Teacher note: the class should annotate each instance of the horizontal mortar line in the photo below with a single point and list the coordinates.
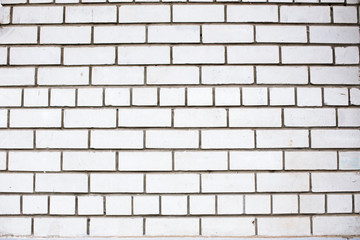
(184, 128)
(71, 45)
(260, 107)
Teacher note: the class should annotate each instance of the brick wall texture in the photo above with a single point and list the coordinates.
(179, 118)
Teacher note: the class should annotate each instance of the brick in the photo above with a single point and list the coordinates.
(173, 34)
(346, 55)
(349, 160)
(285, 204)
(121, 183)
(253, 54)
(335, 182)
(282, 138)
(334, 75)
(306, 54)
(248, 13)
(18, 35)
(35, 204)
(227, 75)
(12, 139)
(34, 56)
(230, 226)
(65, 182)
(89, 55)
(89, 118)
(305, 14)
(202, 204)
(172, 226)
(336, 96)
(9, 205)
(230, 204)
(144, 13)
(172, 183)
(309, 97)
(146, 205)
(250, 117)
(16, 77)
(34, 161)
(172, 75)
(227, 33)
(117, 97)
(90, 205)
(36, 97)
(227, 139)
(90, 14)
(174, 205)
(3, 161)
(172, 139)
(336, 225)
(227, 182)
(227, 96)
(284, 226)
(19, 226)
(282, 34)
(116, 226)
(334, 34)
(62, 97)
(37, 15)
(144, 118)
(310, 160)
(64, 226)
(89, 161)
(281, 75)
(117, 75)
(3, 56)
(62, 139)
(10, 97)
(35, 118)
(172, 96)
(354, 96)
(119, 34)
(65, 35)
(197, 161)
(198, 13)
(90, 97)
(144, 96)
(145, 161)
(198, 54)
(63, 76)
(335, 138)
(60, 205)
(143, 55)
(199, 118)
(283, 182)
(5, 15)
(349, 117)
(344, 14)
(282, 96)
(314, 203)
(309, 117)
(118, 205)
(199, 96)
(16, 182)
(246, 160)
(110, 139)
(339, 203)
(257, 204)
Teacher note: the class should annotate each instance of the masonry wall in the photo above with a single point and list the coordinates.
(179, 118)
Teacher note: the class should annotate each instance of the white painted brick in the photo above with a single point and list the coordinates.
(37, 15)
(5, 15)
(118, 75)
(172, 183)
(16, 77)
(35, 118)
(64, 182)
(144, 96)
(17, 35)
(172, 226)
(60, 205)
(306, 117)
(335, 138)
(90, 14)
(65, 35)
(227, 182)
(116, 226)
(62, 97)
(173, 34)
(199, 118)
(344, 14)
(3, 118)
(310, 160)
(145, 161)
(336, 225)
(16, 182)
(118, 205)
(16, 139)
(13, 1)
(146, 205)
(204, 160)
(119, 34)
(60, 226)
(227, 96)
(282, 96)
(36, 97)
(198, 54)
(9, 204)
(198, 13)
(334, 75)
(90, 205)
(314, 203)
(227, 139)
(199, 96)
(144, 118)
(202, 204)
(35, 204)
(335, 182)
(144, 13)
(334, 34)
(284, 226)
(227, 33)
(257, 204)
(174, 205)
(305, 14)
(253, 54)
(3, 161)
(90, 97)
(251, 117)
(339, 203)
(230, 204)
(283, 182)
(89, 118)
(283, 33)
(117, 97)
(349, 117)
(3, 56)
(10, 97)
(282, 138)
(111, 139)
(248, 13)
(172, 96)
(308, 97)
(143, 55)
(89, 161)
(34, 161)
(89, 55)
(336, 96)
(349, 160)
(62, 139)
(121, 183)
(281, 75)
(212, 226)
(19, 226)
(306, 54)
(227, 75)
(346, 55)
(246, 160)
(34, 56)
(254, 96)
(285, 204)
(355, 96)
(63, 76)
(172, 139)
(172, 75)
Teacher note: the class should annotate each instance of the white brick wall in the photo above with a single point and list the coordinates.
(199, 118)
